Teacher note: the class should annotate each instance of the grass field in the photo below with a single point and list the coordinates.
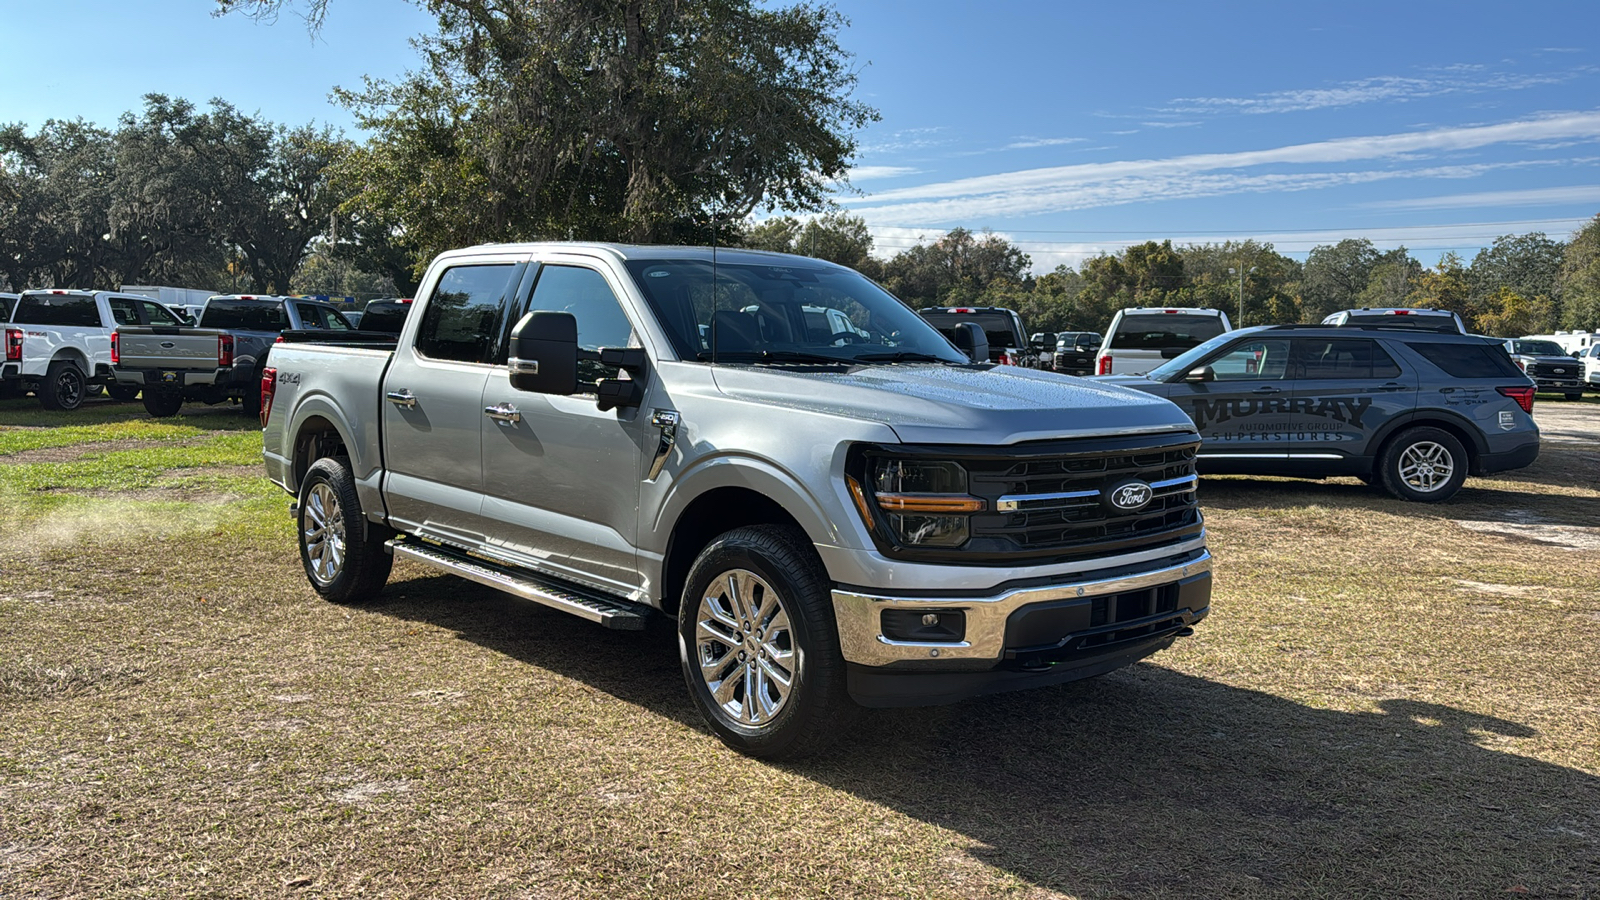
(1388, 700)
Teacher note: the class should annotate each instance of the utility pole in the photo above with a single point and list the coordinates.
(1242, 272)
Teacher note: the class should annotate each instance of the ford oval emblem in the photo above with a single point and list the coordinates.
(1129, 496)
(167, 345)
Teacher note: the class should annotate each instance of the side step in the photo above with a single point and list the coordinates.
(611, 613)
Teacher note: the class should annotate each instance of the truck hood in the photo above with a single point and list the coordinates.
(1550, 360)
(933, 404)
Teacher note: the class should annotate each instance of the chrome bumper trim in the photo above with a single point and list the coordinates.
(859, 615)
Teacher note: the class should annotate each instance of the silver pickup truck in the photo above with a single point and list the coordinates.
(834, 517)
(217, 360)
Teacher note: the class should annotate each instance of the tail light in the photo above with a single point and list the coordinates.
(1522, 394)
(269, 386)
(1521, 365)
(1005, 358)
(1105, 366)
(224, 350)
(116, 350)
(13, 344)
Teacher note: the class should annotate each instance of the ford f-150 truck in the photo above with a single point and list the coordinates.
(834, 517)
(218, 360)
(58, 342)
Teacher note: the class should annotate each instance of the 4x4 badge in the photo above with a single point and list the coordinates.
(1129, 496)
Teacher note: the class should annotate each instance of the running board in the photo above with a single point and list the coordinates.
(611, 613)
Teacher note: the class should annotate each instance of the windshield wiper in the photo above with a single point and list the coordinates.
(774, 356)
(900, 356)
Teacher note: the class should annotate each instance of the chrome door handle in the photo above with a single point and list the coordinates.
(402, 397)
(504, 413)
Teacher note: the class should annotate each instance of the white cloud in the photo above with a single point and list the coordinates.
(1556, 196)
(1028, 143)
(1087, 185)
(1455, 79)
(868, 173)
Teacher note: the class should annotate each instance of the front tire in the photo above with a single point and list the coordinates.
(162, 404)
(1427, 465)
(343, 553)
(64, 387)
(1576, 396)
(759, 646)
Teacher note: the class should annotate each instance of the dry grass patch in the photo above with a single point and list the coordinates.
(1383, 703)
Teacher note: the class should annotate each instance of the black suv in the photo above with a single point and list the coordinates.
(1413, 412)
(1003, 327)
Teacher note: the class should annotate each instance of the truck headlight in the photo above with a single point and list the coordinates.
(925, 503)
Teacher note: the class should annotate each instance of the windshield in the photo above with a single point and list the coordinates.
(1164, 331)
(787, 313)
(1538, 348)
(1176, 368)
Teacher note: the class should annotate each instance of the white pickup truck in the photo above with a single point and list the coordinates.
(58, 342)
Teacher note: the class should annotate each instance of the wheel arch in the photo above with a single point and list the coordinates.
(712, 513)
(1458, 428)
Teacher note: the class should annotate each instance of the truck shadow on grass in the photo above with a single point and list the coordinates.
(25, 411)
(1148, 782)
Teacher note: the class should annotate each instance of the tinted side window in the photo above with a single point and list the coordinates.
(1324, 359)
(65, 310)
(1258, 360)
(156, 314)
(462, 321)
(1469, 360)
(601, 321)
(124, 310)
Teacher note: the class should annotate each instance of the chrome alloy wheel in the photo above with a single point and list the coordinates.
(322, 532)
(745, 647)
(1426, 466)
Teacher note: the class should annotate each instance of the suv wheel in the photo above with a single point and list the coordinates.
(342, 552)
(759, 647)
(63, 386)
(1424, 464)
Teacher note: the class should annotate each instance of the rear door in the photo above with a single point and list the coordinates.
(562, 476)
(432, 410)
(1345, 391)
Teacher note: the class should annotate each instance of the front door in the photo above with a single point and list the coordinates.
(562, 476)
(1243, 413)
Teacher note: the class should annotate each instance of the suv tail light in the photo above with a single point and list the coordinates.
(116, 350)
(1522, 394)
(1105, 366)
(13, 344)
(269, 386)
(224, 350)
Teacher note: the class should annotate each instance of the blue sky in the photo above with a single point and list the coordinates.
(1069, 128)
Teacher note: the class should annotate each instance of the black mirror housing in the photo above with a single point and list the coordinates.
(971, 340)
(1200, 374)
(544, 353)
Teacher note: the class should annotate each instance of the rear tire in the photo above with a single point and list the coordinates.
(162, 403)
(64, 387)
(123, 393)
(1427, 465)
(343, 553)
(759, 646)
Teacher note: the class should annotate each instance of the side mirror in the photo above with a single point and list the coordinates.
(544, 353)
(971, 340)
(1199, 374)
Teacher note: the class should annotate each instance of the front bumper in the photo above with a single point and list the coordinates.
(1065, 613)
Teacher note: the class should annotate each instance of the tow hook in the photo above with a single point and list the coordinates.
(1185, 631)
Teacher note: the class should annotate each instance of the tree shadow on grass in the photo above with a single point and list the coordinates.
(1149, 782)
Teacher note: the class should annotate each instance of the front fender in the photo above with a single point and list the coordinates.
(816, 514)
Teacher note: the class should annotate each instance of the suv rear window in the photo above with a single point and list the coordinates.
(71, 310)
(1164, 331)
(998, 328)
(1473, 360)
(245, 315)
